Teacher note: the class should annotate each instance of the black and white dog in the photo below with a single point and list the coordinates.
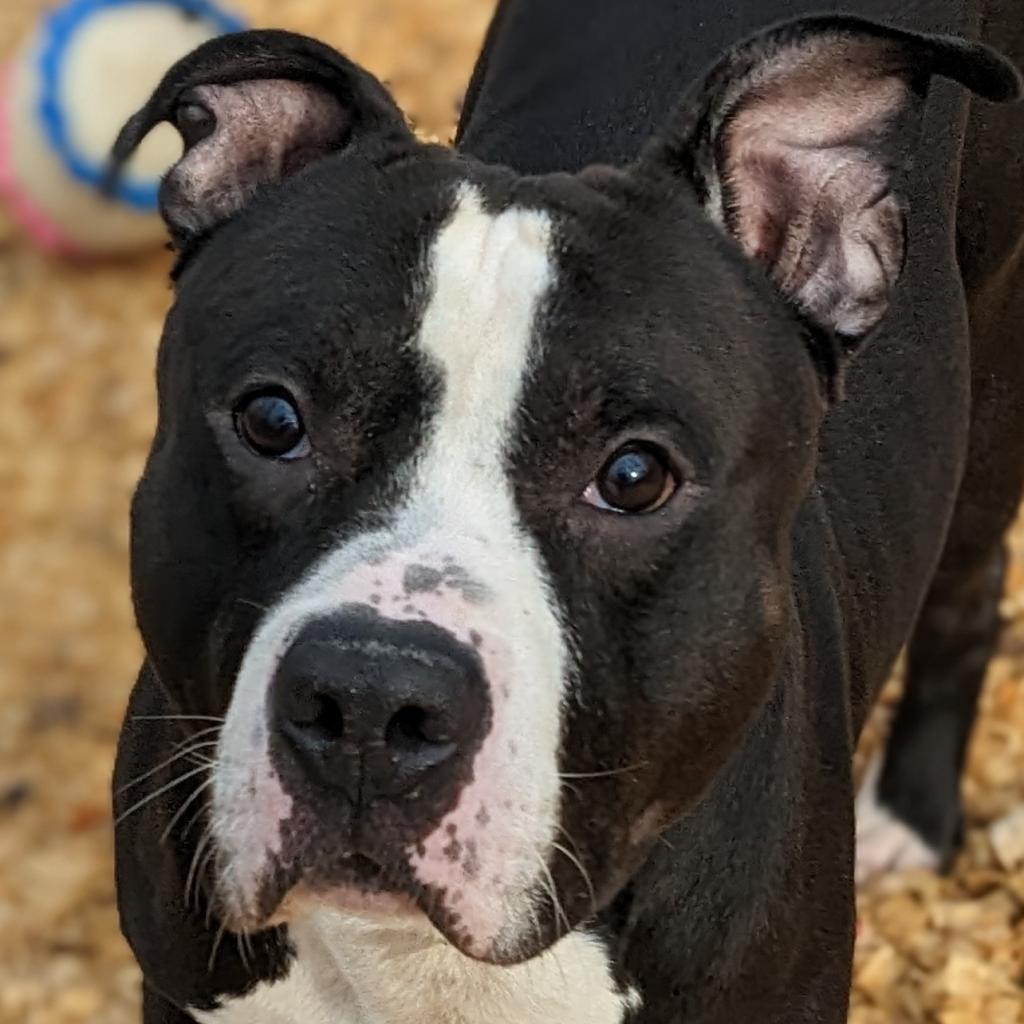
(513, 581)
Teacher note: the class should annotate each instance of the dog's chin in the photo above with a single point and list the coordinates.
(383, 908)
(363, 898)
(510, 947)
(358, 888)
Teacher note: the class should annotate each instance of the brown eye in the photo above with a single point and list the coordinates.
(271, 426)
(637, 478)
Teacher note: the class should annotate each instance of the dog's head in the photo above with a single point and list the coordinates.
(471, 497)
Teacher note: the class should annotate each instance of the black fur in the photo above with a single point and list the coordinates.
(729, 647)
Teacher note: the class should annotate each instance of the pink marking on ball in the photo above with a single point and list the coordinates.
(32, 220)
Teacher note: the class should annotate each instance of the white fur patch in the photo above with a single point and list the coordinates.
(459, 530)
(490, 273)
(884, 843)
(352, 970)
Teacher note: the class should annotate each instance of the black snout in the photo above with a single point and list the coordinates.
(380, 708)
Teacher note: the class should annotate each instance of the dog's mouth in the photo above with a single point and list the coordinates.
(356, 885)
(352, 882)
(356, 873)
(363, 887)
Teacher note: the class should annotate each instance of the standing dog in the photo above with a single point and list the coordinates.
(513, 581)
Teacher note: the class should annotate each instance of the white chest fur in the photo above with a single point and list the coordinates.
(356, 971)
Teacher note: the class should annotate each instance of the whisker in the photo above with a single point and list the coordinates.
(205, 870)
(194, 869)
(535, 921)
(197, 735)
(241, 951)
(552, 952)
(163, 789)
(575, 789)
(569, 838)
(163, 764)
(178, 718)
(196, 755)
(216, 946)
(604, 775)
(212, 864)
(574, 860)
(202, 759)
(191, 821)
(553, 893)
(247, 939)
(196, 751)
(215, 865)
(199, 790)
(252, 604)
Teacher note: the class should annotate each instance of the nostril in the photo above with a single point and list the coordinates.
(328, 719)
(411, 728)
(318, 715)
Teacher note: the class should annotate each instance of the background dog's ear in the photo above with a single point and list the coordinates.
(798, 143)
(253, 108)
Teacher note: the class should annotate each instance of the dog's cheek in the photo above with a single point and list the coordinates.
(739, 668)
(178, 552)
(673, 704)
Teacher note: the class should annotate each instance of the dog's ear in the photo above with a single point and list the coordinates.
(798, 142)
(253, 108)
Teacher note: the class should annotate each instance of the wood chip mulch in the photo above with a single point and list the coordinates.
(76, 358)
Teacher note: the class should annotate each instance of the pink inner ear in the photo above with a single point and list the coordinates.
(266, 130)
(806, 186)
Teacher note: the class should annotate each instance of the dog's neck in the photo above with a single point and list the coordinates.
(366, 970)
(737, 845)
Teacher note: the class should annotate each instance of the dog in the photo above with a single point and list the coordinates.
(529, 525)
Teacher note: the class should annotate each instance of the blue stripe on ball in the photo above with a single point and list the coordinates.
(58, 31)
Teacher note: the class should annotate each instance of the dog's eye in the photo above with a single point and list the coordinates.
(270, 425)
(637, 478)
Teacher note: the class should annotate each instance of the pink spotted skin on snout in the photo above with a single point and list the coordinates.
(242, 861)
(420, 588)
(474, 863)
(474, 857)
(477, 861)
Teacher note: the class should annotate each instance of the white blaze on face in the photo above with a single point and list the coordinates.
(489, 275)
(456, 555)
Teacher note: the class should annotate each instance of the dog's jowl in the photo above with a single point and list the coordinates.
(492, 671)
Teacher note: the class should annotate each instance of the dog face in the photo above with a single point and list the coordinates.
(470, 502)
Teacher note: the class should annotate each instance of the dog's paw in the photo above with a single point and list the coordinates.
(884, 843)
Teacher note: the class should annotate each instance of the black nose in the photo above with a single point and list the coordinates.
(380, 708)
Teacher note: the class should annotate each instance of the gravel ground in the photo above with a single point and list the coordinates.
(76, 357)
